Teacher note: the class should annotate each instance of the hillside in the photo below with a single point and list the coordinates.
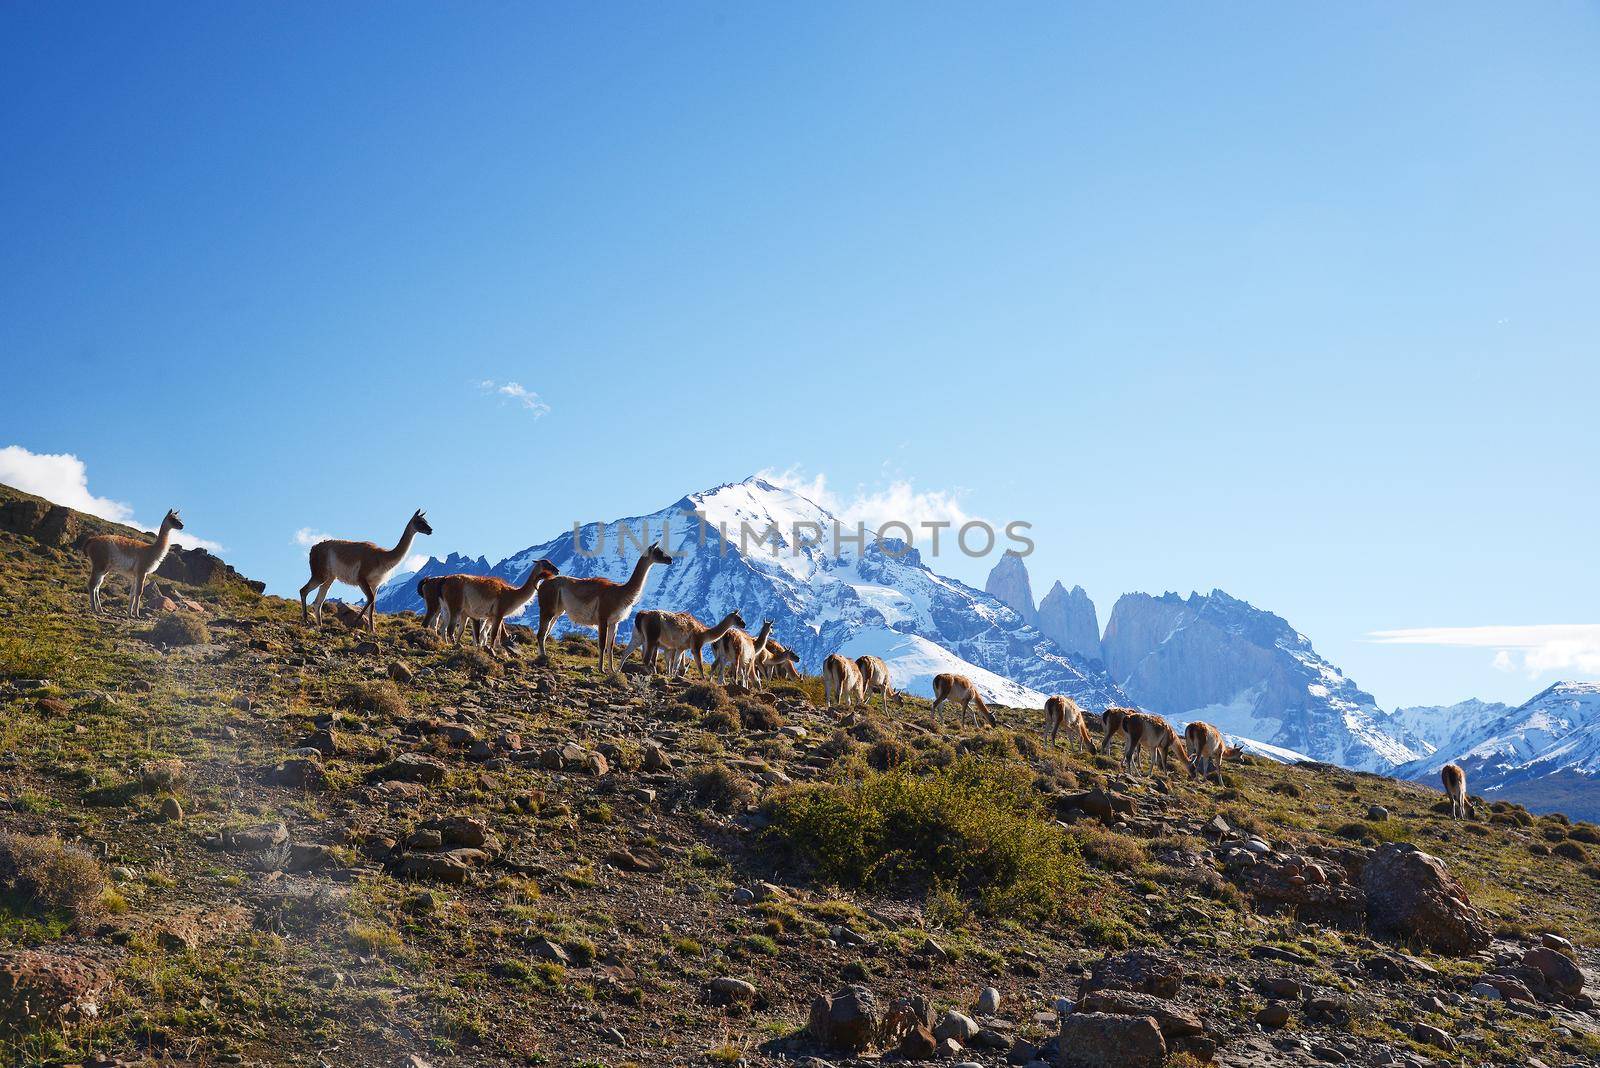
(242, 842)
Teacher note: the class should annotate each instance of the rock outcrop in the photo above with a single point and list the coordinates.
(1411, 896)
(1067, 617)
(1008, 583)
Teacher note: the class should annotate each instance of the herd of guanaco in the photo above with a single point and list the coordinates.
(453, 601)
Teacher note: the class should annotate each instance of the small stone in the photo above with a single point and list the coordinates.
(398, 671)
(548, 950)
(1273, 1015)
(956, 1025)
(988, 1001)
(729, 989)
(1433, 1036)
(171, 809)
(1377, 813)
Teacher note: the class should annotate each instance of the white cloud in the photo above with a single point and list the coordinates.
(305, 537)
(898, 500)
(62, 478)
(414, 562)
(517, 393)
(1536, 650)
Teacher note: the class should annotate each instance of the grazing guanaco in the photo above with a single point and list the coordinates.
(483, 597)
(595, 602)
(678, 633)
(358, 563)
(1205, 746)
(428, 590)
(1143, 732)
(842, 682)
(1455, 787)
(874, 677)
(777, 661)
(959, 688)
(116, 554)
(1112, 719)
(737, 652)
(1063, 713)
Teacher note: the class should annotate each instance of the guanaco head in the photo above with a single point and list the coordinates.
(419, 523)
(172, 521)
(546, 568)
(789, 655)
(736, 620)
(657, 554)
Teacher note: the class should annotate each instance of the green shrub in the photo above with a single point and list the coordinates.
(720, 721)
(976, 827)
(706, 695)
(176, 628)
(723, 789)
(889, 753)
(1571, 851)
(757, 715)
(378, 696)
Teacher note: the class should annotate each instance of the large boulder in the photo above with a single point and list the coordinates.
(1101, 1040)
(42, 988)
(1411, 896)
(1559, 971)
(1138, 970)
(1174, 1020)
(848, 1019)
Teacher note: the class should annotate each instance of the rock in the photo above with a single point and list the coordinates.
(956, 1025)
(918, 1044)
(323, 741)
(462, 830)
(411, 767)
(1100, 1040)
(848, 1019)
(1273, 1015)
(1432, 1036)
(548, 950)
(1507, 988)
(1485, 991)
(1098, 802)
(296, 772)
(743, 896)
(1174, 1020)
(448, 866)
(399, 672)
(1138, 970)
(367, 648)
(988, 1001)
(1411, 896)
(171, 809)
(595, 764)
(254, 839)
(1559, 944)
(726, 989)
(1377, 813)
(907, 1014)
(1561, 972)
(42, 987)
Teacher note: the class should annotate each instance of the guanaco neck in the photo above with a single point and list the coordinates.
(163, 539)
(400, 550)
(761, 639)
(719, 630)
(635, 581)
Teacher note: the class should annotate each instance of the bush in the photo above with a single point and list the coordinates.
(47, 874)
(976, 827)
(476, 662)
(720, 721)
(889, 753)
(757, 715)
(378, 696)
(1107, 849)
(706, 695)
(1570, 851)
(722, 789)
(180, 629)
(1585, 832)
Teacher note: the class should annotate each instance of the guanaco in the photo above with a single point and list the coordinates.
(842, 682)
(1063, 713)
(959, 688)
(875, 678)
(678, 634)
(776, 661)
(116, 554)
(1455, 787)
(737, 652)
(595, 602)
(483, 597)
(1112, 719)
(1143, 732)
(358, 563)
(1205, 746)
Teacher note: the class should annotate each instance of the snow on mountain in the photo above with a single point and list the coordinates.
(1446, 727)
(774, 554)
(1245, 670)
(1544, 753)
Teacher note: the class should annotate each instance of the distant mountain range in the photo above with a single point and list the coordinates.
(748, 545)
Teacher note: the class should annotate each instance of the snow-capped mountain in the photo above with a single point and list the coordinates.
(1445, 727)
(773, 554)
(1544, 753)
(1217, 658)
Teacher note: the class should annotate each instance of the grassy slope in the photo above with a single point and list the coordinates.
(221, 961)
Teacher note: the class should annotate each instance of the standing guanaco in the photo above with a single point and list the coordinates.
(737, 652)
(678, 634)
(1063, 712)
(1112, 719)
(116, 554)
(358, 563)
(776, 661)
(482, 597)
(874, 677)
(595, 602)
(1455, 787)
(1143, 732)
(1204, 743)
(842, 682)
(959, 688)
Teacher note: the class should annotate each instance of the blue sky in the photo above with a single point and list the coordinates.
(1296, 302)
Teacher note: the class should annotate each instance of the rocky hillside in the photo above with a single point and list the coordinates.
(822, 596)
(228, 840)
